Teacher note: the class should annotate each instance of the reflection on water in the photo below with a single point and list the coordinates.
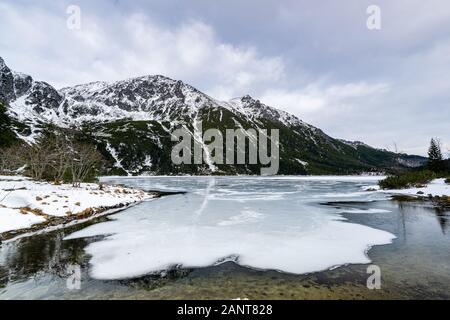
(416, 265)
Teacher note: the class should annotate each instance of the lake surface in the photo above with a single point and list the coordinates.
(241, 237)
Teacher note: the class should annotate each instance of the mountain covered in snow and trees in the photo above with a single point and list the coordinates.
(130, 123)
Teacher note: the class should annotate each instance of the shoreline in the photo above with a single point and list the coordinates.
(57, 223)
(436, 193)
(29, 207)
(436, 202)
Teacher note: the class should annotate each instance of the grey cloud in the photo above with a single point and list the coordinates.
(301, 56)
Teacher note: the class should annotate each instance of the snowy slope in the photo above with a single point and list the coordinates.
(127, 114)
(144, 98)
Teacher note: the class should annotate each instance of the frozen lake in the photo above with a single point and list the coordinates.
(261, 223)
(247, 237)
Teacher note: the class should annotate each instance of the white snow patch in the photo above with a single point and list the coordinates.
(148, 161)
(13, 178)
(12, 219)
(371, 188)
(116, 158)
(303, 163)
(437, 187)
(58, 200)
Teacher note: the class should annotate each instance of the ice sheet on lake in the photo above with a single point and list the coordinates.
(369, 211)
(289, 231)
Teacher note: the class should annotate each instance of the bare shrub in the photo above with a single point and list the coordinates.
(85, 159)
(11, 160)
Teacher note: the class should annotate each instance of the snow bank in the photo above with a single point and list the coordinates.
(13, 178)
(12, 219)
(437, 187)
(24, 202)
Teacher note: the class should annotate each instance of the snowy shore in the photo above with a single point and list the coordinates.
(27, 205)
(436, 188)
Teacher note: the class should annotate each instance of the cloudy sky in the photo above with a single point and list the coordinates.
(316, 59)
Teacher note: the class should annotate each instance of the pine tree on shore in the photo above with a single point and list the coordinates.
(435, 158)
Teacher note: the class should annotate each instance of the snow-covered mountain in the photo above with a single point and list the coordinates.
(131, 121)
(144, 98)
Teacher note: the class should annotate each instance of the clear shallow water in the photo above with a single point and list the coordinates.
(287, 224)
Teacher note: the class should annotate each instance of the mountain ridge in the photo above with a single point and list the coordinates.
(133, 119)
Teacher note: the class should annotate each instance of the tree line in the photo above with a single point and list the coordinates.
(436, 167)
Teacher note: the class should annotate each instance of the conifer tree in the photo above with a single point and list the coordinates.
(435, 159)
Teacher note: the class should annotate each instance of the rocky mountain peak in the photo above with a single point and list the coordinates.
(2, 64)
(150, 97)
(6, 83)
(130, 120)
(247, 99)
